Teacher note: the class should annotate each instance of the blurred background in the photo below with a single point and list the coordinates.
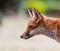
(13, 20)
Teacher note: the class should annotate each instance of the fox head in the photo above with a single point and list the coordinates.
(33, 24)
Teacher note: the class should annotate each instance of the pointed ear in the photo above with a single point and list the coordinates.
(30, 12)
(37, 16)
(34, 13)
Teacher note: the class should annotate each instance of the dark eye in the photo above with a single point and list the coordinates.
(31, 27)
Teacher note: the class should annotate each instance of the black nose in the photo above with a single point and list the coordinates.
(21, 36)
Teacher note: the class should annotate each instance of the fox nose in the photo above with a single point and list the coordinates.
(21, 36)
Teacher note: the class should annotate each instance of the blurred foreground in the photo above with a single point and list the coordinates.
(11, 29)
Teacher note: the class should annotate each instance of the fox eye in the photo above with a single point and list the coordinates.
(31, 27)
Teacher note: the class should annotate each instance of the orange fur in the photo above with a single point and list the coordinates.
(37, 19)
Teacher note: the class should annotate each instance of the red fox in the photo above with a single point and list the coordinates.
(41, 24)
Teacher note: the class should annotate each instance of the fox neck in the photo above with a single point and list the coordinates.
(43, 21)
(46, 31)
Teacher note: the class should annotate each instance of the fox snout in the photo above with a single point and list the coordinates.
(26, 36)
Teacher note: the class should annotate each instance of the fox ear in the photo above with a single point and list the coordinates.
(37, 16)
(30, 12)
(34, 13)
